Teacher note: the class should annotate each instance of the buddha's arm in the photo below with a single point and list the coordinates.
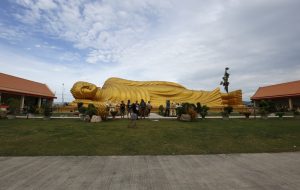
(118, 92)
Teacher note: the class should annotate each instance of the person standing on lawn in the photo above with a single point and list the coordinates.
(129, 109)
(143, 108)
(122, 109)
(149, 107)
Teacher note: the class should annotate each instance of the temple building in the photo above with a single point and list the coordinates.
(29, 93)
(284, 94)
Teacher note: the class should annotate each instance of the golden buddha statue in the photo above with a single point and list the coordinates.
(116, 90)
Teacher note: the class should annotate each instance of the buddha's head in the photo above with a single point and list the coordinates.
(84, 90)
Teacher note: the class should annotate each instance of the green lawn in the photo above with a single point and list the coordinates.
(21, 137)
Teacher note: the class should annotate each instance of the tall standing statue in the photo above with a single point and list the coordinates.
(225, 81)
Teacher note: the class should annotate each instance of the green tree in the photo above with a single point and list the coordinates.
(14, 105)
(47, 110)
(202, 110)
(227, 111)
(91, 110)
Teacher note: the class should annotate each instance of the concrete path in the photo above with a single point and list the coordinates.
(153, 116)
(236, 171)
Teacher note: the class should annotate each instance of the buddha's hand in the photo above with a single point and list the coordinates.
(84, 90)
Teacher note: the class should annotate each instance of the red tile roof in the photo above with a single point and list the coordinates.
(278, 90)
(18, 85)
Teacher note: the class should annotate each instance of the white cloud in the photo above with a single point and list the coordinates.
(190, 41)
(108, 26)
(10, 33)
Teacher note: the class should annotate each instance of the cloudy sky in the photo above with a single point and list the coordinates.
(189, 42)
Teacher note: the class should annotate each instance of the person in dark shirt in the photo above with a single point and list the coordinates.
(168, 105)
(129, 109)
(137, 108)
(133, 108)
(143, 108)
(122, 109)
(133, 116)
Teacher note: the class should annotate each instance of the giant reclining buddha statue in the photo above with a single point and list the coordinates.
(116, 90)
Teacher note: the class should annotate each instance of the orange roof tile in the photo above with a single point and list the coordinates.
(14, 84)
(278, 90)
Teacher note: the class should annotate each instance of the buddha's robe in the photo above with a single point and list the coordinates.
(117, 90)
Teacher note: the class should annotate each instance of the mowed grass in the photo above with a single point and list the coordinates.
(21, 137)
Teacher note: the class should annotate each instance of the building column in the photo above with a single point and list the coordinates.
(39, 102)
(0, 98)
(290, 104)
(254, 108)
(22, 103)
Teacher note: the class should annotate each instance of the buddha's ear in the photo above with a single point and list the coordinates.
(84, 90)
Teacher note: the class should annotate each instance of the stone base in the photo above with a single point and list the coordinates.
(185, 117)
(96, 119)
(87, 118)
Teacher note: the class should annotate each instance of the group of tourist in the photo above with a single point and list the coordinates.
(136, 109)
(141, 109)
(171, 108)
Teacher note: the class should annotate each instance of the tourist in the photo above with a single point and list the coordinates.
(133, 116)
(178, 107)
(167, 113)
(149, 107)
(128, 107)
(135, 110)
(137, 107)
(122, 109)
(173, 109)
(143, 108)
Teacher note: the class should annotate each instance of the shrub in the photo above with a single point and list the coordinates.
(82, 109)
(79, 105)
(187, 108)
(198, 107)
(246, 114)
(14, 105)
(279, 114)
(113, 113)
(202, 110)
(161, 110)
(47, 110)
(227, 111)
(295, 112)
(192, 113)
(103, 113)
(179, 111)
(39, 110)
(32, 109)
(3, 114)
(91, 110)
(281, 109)
(266, 107)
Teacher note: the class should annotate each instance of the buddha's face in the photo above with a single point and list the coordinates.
(84, 90)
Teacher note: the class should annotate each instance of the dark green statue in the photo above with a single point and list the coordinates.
(225, 81)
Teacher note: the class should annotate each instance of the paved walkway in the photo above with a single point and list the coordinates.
(236, 171)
